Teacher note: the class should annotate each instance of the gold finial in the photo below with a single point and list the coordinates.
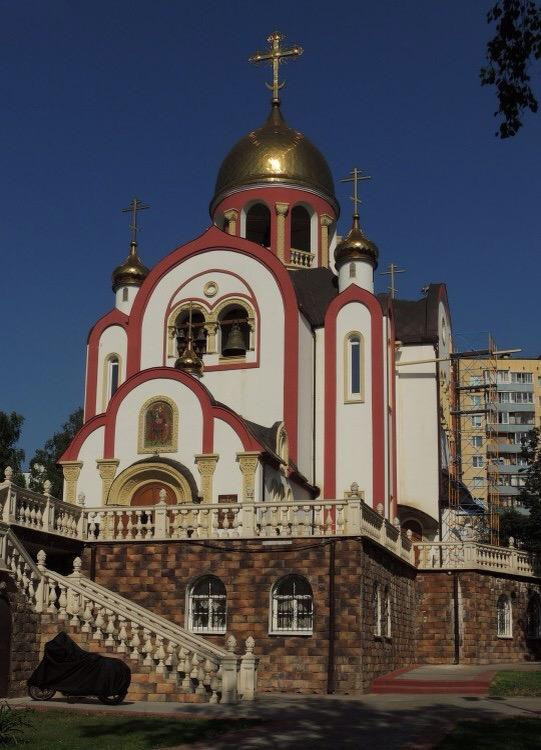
(189, 360)
(275, 55)
(356, 176)
(132, 271)
(135, 206)
(391, 271)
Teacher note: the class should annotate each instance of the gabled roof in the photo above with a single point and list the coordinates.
(315, 289)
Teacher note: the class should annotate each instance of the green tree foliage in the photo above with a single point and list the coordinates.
(526, 529)
(516, 42)
(10, 455)
(44, 462)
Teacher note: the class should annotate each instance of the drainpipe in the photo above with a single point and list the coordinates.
(332, 618)
(456, 613)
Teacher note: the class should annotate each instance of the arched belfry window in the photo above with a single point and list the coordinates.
(353, 368)
(199, 331)
(504, 624)
(207, 606)
(258, 222)
(292, 606)
(533, 617)
(234, 332)
(300, 229)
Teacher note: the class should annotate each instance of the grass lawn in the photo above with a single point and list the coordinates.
(516, 683)
(507, 734)
(75, 730)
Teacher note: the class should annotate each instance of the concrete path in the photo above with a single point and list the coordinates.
(391, 722)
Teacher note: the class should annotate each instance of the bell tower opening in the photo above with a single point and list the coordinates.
(235, 332)
(300, 229)
(258, 223)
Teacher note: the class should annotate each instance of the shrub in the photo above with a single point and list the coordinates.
(12, 725)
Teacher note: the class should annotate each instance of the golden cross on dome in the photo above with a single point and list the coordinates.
(135, 206)
(275, 55)
(391, 271)
(356, 176)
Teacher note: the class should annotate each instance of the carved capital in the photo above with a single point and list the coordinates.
(325, 222)
(248, 464)
(206, 464)
(107, 468)
(231, 216)
(281, 209)
(71, 471)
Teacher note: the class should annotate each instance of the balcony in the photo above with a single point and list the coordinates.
(301, 259)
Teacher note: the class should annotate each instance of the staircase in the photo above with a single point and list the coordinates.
(168, 663)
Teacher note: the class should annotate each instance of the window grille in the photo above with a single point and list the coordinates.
(292, 606)
(207, 606)
(533, 617)
(504, 617)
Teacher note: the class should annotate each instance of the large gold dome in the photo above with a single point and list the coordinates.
(274, 154)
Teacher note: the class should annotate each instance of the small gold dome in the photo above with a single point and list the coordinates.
(189, 361)
(355, 246)
(278, 155)
(132, 271)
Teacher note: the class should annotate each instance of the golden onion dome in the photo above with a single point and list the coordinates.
(274, 154)
(132, 271)
(355, 246)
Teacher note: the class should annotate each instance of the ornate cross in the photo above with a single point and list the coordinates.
(391, 271)
(356, 175)
(275, 55)
(135, 206)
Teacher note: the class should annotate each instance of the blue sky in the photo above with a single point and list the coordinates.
(105, 100)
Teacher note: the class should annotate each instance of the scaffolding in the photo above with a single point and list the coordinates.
(469, 420)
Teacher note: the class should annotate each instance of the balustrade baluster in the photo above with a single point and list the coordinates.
(99, 623)
(122, 636)
(138, 525)
(159, 656)
(51, 608)
(110, 630)
(135, 641)
(88, 607)
(147, 648)
(62, 602)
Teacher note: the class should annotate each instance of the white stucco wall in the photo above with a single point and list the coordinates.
(255, 393)
(320, 407)
(227, 477)
(354, 420)
(125, 305)
(89, 479)
(306, 400)
(112, 341)
(417, 430)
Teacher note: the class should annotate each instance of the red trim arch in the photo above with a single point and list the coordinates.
(112, 318)
(210, 412)
(215, 239)
(353, 293)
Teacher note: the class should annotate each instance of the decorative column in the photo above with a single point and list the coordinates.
(206, 463)
(231, 217)
(248, 464)
(281, 213)
(325, 222)
(212, 329)
(107, 468)
(71, 471)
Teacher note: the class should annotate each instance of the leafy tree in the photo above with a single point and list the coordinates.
(44, 462)
(526, 529)
(10, 455)
(516, 42)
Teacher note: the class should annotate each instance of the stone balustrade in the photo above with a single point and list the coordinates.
(471, 555)
(301, 258)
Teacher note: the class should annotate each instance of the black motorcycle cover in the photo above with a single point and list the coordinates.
(71, 670)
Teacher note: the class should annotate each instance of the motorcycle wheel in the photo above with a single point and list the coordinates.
(41, 694)
(111, 700)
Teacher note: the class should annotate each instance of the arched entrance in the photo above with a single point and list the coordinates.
(5, 645)
(141, 483)
(149, 494)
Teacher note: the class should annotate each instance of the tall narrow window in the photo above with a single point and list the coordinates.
(258, 224)
(376, 603)
(354, 367)
(300, 229)
(207, 605)
(533, 617)
(114, 366)
(503, 607)
(387, 612)
(292, 608)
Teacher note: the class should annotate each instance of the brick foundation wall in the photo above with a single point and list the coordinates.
(24, 652)
(478, 595)
(157, 576)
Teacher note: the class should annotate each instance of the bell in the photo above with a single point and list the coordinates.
(234, 346)
(200, 339)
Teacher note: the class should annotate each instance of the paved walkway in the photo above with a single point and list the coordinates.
(393, 722)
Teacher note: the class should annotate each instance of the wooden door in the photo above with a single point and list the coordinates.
(149, 494)
(5, 645)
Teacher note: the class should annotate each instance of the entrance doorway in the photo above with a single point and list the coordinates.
(149, 494)
(5, 645)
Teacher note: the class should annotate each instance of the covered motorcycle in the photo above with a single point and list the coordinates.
(75, 672)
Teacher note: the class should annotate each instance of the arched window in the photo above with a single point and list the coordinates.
(207, 606)
(533, 617)
(113, 373)
(199, 332)
(376, 602)
(300, 229)
(353, 356)
(258, 220)
(505, 626)
(352, 271)
(387, 612)
(292, 606)
(235, 332)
